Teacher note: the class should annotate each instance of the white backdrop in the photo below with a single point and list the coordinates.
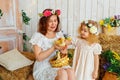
(73, 12)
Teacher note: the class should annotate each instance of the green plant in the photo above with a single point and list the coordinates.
(25, 18)
(1, 13)
(110, 22)
(25, 39)
(70, 56)
(112, 61)
(70, 53)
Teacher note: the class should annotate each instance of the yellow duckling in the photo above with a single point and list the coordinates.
(60, 41)
(68, 38)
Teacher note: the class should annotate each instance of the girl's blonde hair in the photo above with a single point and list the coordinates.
(93, 38)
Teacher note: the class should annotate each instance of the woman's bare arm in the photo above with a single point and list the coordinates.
(40, 54)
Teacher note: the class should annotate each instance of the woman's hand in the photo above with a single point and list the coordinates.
(95, 74)
(58, 47)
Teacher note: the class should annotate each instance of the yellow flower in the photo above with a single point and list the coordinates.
(116, 55)
(109, 27)
(60, 41)
(101, 22)
(112, 18)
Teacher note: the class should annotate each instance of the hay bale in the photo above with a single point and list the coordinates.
(108, 42)
(19, 74)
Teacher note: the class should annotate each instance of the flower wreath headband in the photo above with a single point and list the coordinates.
(93, 29)
(50, 12)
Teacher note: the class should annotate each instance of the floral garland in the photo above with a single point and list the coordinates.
(48, 13)
(93, 29)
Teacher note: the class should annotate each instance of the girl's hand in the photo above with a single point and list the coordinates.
(64, 50)
(94, 74)
(68, 42)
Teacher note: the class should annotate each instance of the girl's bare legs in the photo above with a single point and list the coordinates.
(62, 75)
(71, 74)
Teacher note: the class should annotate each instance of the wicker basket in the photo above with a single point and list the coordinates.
(109, 76)
(112, 31)
(57, 63)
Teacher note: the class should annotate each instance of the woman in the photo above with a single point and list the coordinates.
(43, 46)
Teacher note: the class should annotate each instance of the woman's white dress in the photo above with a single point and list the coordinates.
(83, 61)
(42, 70)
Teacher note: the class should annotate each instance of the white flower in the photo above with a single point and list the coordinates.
(53, 11)
(90, 25)
(93, 30)
(117, 24)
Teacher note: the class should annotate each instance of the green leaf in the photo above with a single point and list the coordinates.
(40, 14)
(1, 14)
(70, 53)
(107, 20)
(114, 63)
(24, 47)
(25, 18)
(25, 37)
(0, 11)
(113, 24)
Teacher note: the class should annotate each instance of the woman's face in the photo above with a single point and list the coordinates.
(84, 32)
(52, 23)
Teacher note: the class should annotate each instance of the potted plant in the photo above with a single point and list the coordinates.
(109, 25)
(112, 65)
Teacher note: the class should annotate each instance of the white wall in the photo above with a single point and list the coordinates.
(73, 12)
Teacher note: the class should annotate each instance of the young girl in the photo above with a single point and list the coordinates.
(87, 50)
(43, 46)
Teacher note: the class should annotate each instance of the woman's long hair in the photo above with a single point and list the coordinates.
(43, 22)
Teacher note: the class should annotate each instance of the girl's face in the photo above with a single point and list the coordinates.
(52, 23)
(84, 32)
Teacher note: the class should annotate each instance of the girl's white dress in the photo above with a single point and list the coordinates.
(83, 61)
(42, 70)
